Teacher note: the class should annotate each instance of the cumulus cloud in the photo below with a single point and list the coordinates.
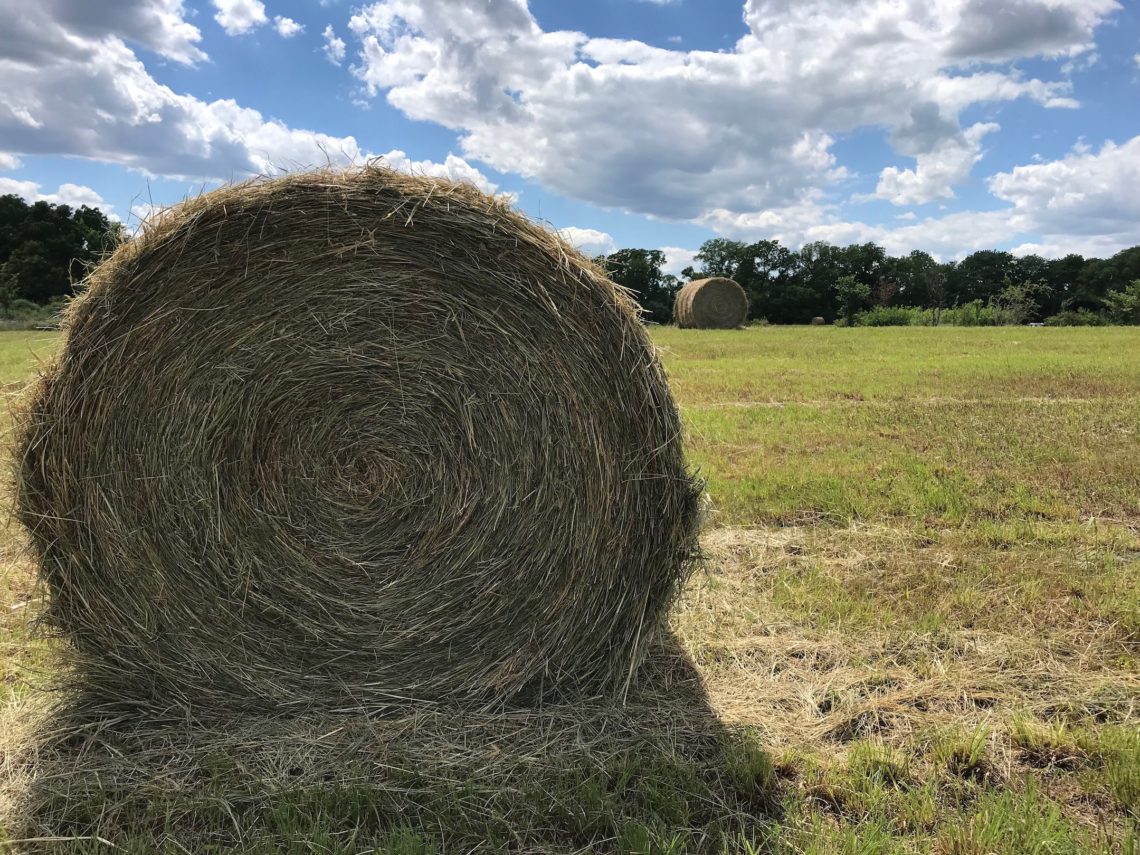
(1085, 193)
(75, 195)
(936, 171)
(9, 161)
(157, 25)
(96, 100)
(1084, 203)
(335, 46)
(238, 17)
(287, 27)
(90, 96)
(141, 214)
(28, 190)
(679, 134)
(1007, 29)
(677, 259)
(453, 168)
(589, 242)
(947, 237)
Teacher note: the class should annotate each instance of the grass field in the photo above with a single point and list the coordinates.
(917, 630)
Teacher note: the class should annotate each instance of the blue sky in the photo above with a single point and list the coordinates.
(949, 126)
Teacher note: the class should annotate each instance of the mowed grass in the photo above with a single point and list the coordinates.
(917, 631)
(948, 425)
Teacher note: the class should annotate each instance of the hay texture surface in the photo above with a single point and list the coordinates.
(343, 440)
(715, 303)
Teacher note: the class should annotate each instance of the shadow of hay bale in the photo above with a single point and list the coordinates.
(591, 776)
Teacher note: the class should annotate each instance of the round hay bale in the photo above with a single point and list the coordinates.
(817, 321)
(341, 440)
(715, 303)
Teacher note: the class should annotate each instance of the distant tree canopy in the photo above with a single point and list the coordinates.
(45, 248)
(639, 270)
(843, 282)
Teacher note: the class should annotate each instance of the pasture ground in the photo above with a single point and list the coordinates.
(918, 630)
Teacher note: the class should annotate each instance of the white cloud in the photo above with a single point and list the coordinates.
(287, 27)
(90, 96)
(1090, 246)
(75, 195)
(682, 134)
(157, 25)
(1085, 193)
(936, 171)
(334, 46)
(948, 236)
(238, 17)
(142, 212)
(1084, 203)
(28, 190)
(590, 242)
(453, 168)
(94, 99)
(991, 31)
(677, 259)
(9, 161)
(1083, 63)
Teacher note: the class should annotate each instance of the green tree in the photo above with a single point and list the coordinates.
(865, 261)
(1018, 304)
(851, 295)
(46, 248)
(639, 270)
(9, 289)
(720, 257)
(1123, 307)
(921, 281)
(819, 266)
(766, 271)
(980, 276)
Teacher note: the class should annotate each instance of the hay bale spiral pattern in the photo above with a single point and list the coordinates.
(714, 303)
(342, 440)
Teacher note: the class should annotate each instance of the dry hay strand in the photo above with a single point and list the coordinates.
(714, 303)
(827, 685)
(347, 439)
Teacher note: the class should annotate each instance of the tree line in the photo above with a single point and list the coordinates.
(862, 284)
(46, 248)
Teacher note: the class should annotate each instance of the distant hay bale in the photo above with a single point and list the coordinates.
(714, 303)
(344, 440)
(818, 321)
